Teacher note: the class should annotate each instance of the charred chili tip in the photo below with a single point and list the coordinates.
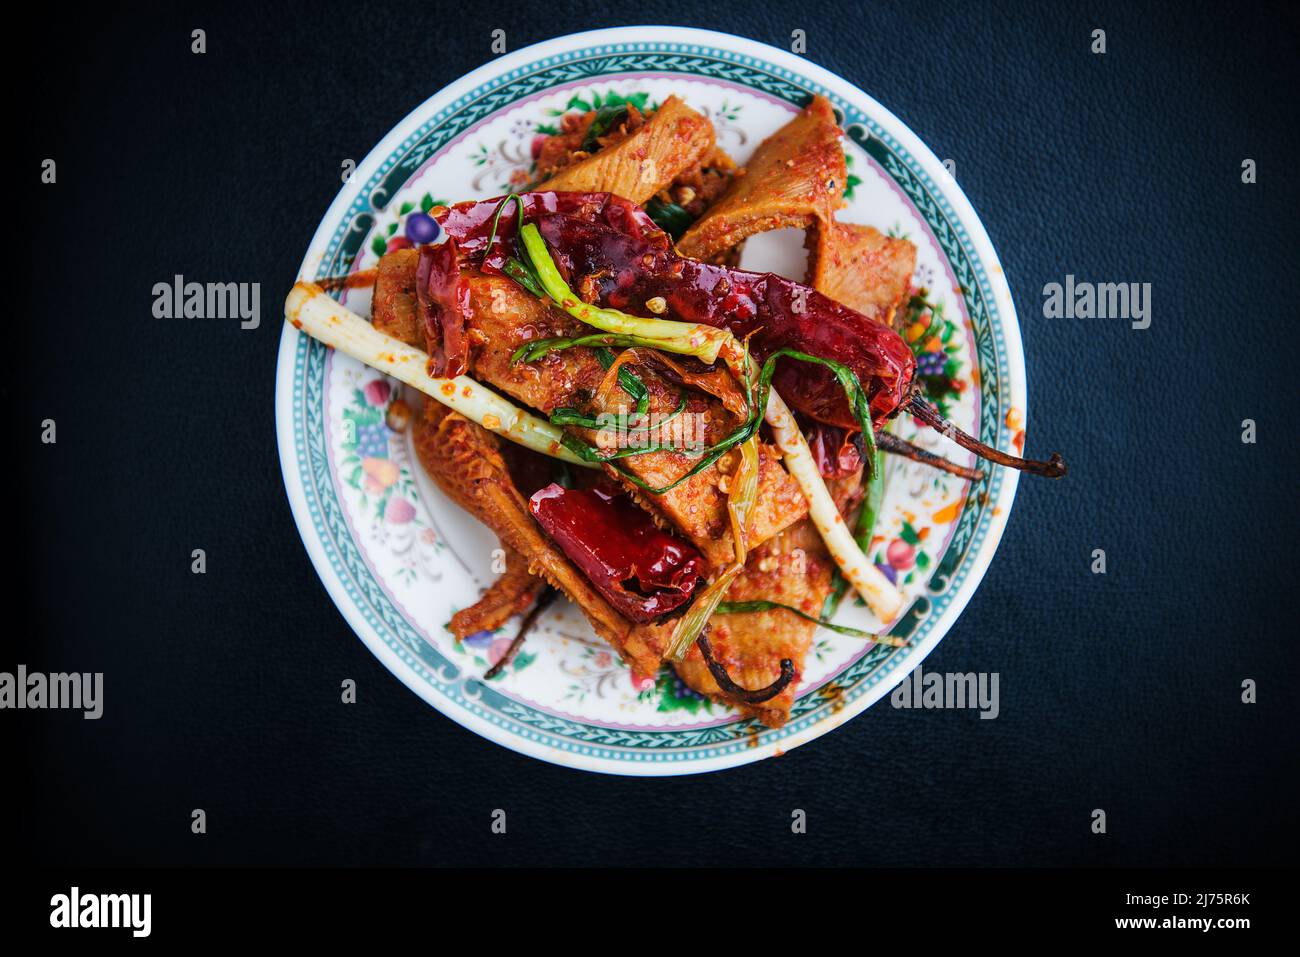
(733, 690)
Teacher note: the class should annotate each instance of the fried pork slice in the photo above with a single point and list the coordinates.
(861, 267)
(794, 569)
(795, 178)
(504, 317)
(649, 159)
(564, 148)
(465, 460)
(694, 189)
(392, 309)
(511, 594)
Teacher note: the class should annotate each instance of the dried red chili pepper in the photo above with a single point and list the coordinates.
(640, 569)
(485, 230)
(627, 271)
(630, 260)
(442, 303)
(609, 246)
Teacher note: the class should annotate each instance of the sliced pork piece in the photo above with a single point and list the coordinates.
(860, 267)
(794, 569)
(465, 460)
(511, 594)
(503, 317)
(795, 178)
(393, 309)
(672, 141)
(565, 148)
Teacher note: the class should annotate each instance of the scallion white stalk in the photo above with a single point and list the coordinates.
(869, 582)
(309, 309)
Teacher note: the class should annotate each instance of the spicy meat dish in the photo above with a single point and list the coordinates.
(687, 451)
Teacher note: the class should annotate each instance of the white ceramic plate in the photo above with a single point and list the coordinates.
(398, 558)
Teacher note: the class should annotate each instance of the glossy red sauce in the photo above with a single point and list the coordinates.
(610, 246)
(640, 569)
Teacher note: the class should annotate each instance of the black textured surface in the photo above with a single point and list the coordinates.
(1118, 691)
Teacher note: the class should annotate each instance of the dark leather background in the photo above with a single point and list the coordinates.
(1119, 692)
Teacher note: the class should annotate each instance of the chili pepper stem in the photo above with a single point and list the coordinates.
(923, 410)
(888, 442)
(544, 599)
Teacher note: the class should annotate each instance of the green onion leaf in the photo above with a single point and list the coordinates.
(853, 391)
(595, 456)
(521, 274)
(568, 416)
(671, 218)
(539, 348)
(697, 616)
(684, 338)
(871, 502)
(606, 118)
(634, 387)
(496, 217)
(740, 607)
